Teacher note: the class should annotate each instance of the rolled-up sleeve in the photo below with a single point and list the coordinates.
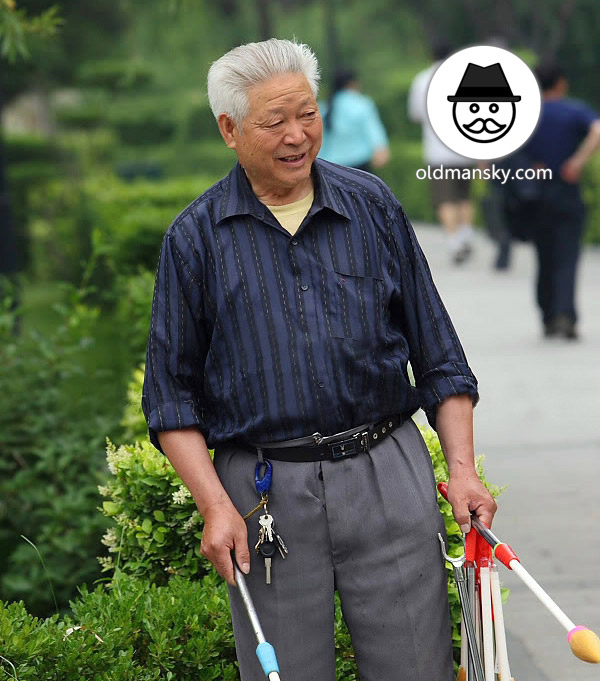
(437, 358)
(176, 353)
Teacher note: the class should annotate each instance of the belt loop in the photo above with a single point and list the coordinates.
(365, 440)
(259, 453)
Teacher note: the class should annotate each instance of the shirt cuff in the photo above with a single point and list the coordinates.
(172, 416)
(438, 386)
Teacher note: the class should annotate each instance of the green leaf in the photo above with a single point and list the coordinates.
(147, 526)
(160, 516)
(110, 508)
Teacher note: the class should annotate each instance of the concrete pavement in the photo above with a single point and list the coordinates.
(538, 423)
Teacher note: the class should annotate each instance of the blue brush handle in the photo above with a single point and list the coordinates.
(267, 658)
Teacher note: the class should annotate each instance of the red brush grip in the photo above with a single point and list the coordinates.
(443, 489)
(505, 554)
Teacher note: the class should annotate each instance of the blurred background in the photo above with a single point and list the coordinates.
(106, 136)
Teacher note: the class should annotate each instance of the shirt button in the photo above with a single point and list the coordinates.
(321, 384)
(294, 242)
(304, 287)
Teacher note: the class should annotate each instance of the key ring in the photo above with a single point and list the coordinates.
(262, 480)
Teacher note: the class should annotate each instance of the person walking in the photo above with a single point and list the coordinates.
(289, 299)
(565, 139)
(450, 195)
(353, 134)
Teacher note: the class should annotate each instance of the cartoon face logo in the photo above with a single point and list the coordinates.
(484, 121)
(484, 106)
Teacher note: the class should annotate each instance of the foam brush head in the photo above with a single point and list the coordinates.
(585, 644)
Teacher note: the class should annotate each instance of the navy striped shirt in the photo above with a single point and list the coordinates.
(263, 336)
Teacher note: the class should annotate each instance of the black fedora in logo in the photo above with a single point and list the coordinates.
(484, 84)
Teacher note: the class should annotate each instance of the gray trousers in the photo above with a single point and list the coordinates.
(366, 526)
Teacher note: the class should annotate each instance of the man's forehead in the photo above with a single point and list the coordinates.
(280, 91)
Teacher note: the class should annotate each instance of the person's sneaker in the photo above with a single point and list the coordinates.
(561, 327)
(462, 254)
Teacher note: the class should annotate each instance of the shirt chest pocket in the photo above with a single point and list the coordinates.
(356, 305)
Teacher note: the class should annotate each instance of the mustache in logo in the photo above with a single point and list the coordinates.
(480, 125)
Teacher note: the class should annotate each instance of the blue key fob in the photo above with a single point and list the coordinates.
(263, 480)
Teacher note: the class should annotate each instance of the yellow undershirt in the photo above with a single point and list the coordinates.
(290, 215)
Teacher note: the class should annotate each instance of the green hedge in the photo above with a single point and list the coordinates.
(132, 631)
(143, 119)
(131, 218)
(591, 193)
(116, 226)
(400, 175)
(115, 74)
(60, 396)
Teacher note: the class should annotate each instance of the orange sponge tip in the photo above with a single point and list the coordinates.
(462, 674)
(585, 644)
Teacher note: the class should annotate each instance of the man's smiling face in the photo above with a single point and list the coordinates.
(279, 139)
(484, 121)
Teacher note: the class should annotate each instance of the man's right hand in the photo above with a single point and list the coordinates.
(225, 531)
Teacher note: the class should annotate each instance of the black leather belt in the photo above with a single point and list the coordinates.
(319, 447)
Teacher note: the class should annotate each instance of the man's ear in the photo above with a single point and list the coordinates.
(228, 129)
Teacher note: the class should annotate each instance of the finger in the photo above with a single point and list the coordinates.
(462, 515)
(486, 511)
(224, 565)
(242, 553)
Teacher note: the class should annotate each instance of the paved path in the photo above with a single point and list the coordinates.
(538, 423)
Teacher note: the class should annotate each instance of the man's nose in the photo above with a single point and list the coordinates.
(294, 133)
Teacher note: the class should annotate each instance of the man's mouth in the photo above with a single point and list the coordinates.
(297, 158)
(480, 125)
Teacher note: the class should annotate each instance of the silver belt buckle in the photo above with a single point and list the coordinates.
(359, 442)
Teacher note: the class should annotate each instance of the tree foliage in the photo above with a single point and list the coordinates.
(17, 26)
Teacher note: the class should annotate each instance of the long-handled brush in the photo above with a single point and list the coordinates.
(584, 643)
(264, 651)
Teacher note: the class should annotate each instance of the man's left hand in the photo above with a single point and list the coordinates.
(467, 494)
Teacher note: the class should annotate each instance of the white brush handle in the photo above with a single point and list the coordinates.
(529, 581)
(501, 649)
(487, 626)
(274, 676)
(464, 644)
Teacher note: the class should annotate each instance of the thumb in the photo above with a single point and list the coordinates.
(242, 553)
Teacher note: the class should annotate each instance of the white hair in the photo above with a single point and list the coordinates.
(231, 76)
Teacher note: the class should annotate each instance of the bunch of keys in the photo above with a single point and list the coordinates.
(269, 541)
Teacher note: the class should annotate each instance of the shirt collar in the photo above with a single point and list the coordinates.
(239, 199)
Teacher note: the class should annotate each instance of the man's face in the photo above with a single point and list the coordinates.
(279, 138)
(484, 121)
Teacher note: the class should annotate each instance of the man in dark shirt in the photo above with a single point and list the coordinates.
(290, 298)
(566, 137)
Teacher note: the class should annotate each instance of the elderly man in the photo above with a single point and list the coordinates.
(289, 299)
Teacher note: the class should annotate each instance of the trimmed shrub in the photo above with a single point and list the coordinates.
(142, 120)
(115, 74)
(31, 162)
(135, 629)
(131, 218)
(590, 184)
(400, 175)
(134, 304)
(51, 447)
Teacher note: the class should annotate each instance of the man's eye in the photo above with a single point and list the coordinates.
(310, 114)
(274, 125)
